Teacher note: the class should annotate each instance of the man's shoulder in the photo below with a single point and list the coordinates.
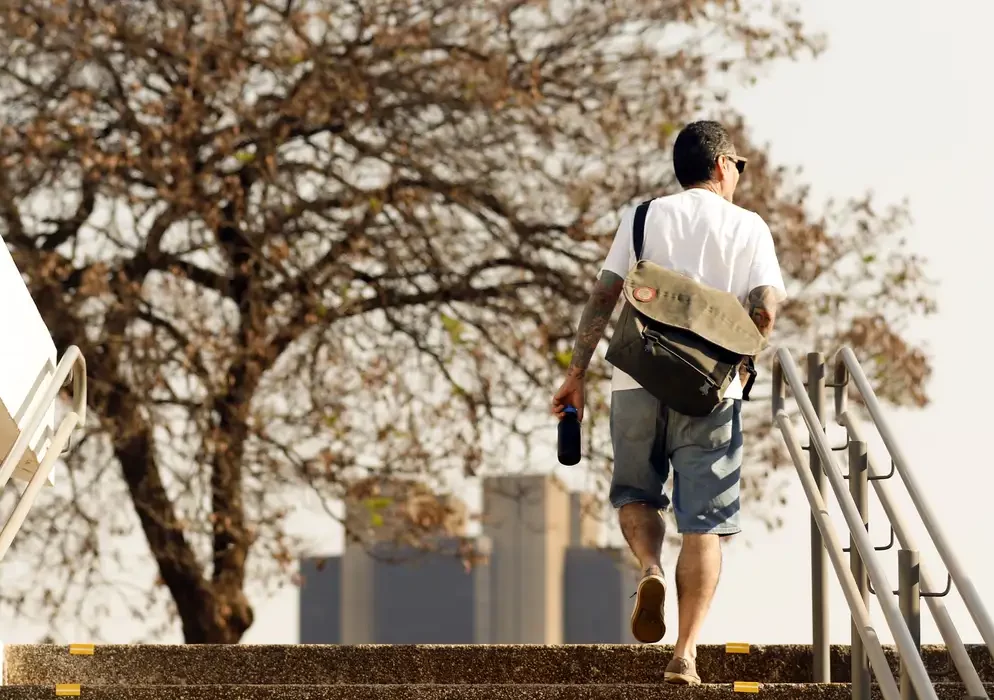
(674, 199)
(757, 220)
(738, 210)
(750, 218)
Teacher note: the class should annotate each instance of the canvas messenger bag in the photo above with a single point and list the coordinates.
(681, 340)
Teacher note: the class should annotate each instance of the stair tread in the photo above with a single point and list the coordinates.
(717, 691)
(137, 665)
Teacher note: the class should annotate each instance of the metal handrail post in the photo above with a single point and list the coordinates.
(902, 637)
(859, 488)
(967, 591)
(909, 599)
(822, 666)
(947, 629)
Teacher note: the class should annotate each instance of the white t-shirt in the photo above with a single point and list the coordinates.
(704, 236)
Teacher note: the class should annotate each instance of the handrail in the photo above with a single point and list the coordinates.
(947, 629)
(78, 375)
(848, 366)
(71, 365)
(13, 523)
(785, 368)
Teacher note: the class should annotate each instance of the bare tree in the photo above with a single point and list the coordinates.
(303, 242)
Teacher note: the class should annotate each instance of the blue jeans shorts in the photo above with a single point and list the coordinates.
(704, 454)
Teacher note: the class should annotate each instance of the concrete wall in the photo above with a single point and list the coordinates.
(527, 520)
(597, 605)
(357, 597)
(429, 599)
(585, 520)
(397, 595)
(321, 601)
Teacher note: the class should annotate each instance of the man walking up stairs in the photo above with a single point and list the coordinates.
(702, 235)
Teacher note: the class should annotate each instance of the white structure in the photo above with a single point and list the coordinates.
(31, 377)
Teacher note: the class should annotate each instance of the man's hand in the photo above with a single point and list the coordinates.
(571, 393)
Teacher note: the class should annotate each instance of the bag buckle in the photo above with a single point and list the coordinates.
(750, 366)
(652, 344)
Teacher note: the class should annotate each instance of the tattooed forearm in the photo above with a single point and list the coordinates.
(594, 320)
(762, 306)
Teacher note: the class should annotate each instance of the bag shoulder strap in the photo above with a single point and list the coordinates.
(638, 228)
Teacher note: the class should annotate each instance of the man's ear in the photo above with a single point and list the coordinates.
(719, 173)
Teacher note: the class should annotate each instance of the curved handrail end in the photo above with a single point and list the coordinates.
(841, 382)
(778, 390)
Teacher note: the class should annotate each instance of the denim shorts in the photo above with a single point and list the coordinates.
(705, 455)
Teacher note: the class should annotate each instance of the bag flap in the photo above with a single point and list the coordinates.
(677, 300)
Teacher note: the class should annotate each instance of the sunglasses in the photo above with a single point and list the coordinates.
(740, 162)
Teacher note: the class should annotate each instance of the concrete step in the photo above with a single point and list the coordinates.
(768, 691)
(145, 665)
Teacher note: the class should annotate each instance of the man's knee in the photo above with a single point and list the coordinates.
(622, 495)
(637, 514)
(640, 506)
(694, 542)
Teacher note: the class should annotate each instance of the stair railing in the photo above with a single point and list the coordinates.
(911, 576)
(824, 539)
(72, 367)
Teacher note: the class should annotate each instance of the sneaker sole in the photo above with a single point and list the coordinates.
(680, 679)
(647, 619)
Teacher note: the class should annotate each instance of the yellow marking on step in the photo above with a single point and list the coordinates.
(81, 649)
(737, 648)
(745, 687)
(65, 690)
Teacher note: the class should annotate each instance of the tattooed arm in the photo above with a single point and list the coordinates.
(762, 306)
(594, 320)
(761, 303)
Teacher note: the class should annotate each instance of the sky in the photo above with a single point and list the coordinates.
(899, 104)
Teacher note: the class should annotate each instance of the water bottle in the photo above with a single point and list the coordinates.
(569, 437)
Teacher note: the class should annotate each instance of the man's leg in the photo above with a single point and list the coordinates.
(640, 470)
(697, 571)
(707, 461)
(644, 530)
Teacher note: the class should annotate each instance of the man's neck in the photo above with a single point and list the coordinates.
(710, 187)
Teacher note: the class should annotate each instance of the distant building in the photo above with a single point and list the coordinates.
(321, 601)
(542, 579)
(597, 603)
(396, 595)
